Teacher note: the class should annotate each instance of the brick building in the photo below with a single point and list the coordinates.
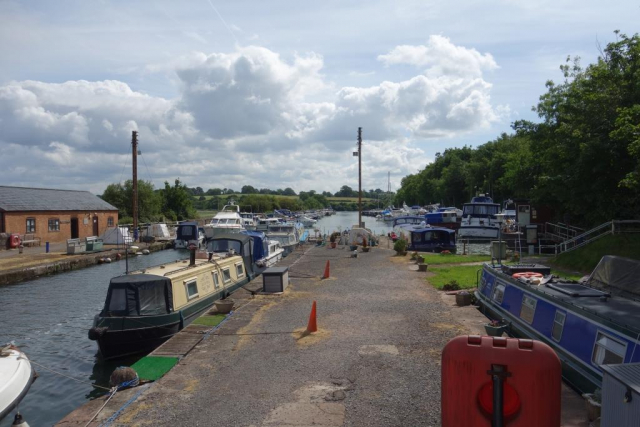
(54, 215)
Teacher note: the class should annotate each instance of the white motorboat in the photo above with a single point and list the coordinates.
(478, 219)
(307, 222)
(228, 220)
(188, 233)
(248, 220)
(16, 376)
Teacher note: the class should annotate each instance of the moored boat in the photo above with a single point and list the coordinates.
(479, 219)
(432, 239)
(266, 252)
(145, 308)
(588, 324)
(287, 234)
(228, 220)
(188, 233)
(16, 377)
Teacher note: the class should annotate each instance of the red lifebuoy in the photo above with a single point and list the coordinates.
(15, 240)
(527, 275)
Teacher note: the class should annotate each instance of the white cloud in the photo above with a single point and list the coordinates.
(247, 117)
(440, 57)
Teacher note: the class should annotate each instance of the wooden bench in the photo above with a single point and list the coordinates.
(29, 240)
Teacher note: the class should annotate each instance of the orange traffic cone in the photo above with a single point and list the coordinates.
(326, 270)
(313, 324)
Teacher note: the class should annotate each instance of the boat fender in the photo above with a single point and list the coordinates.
(527, 275)
(95, 333)
(18, 421)
(124, 377)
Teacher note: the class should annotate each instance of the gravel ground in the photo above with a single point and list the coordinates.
(374, 362)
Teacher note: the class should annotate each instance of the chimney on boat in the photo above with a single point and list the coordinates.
(192, 255)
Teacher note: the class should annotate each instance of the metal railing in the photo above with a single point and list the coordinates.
(561, 231)
(580, 240)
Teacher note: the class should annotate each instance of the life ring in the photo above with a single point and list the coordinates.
(15, 240)
(527, 275)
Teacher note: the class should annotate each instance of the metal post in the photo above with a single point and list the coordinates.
(500, 244)
(497, 376)
(359, 177)
(134, 162)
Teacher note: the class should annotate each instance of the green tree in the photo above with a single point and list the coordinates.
(288, 192)
(121, 196)
(247, 189)
(177, 202)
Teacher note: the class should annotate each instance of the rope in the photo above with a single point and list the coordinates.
(67, 376)
(113, 393)
(113, 417)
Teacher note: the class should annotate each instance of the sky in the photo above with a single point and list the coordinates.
(271, 93)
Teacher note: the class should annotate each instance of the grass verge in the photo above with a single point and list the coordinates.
(437, 259)
(209, 320)
(587, 257)
(464, 275)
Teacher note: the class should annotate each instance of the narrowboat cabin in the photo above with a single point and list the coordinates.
(589, 324)
(145, 308)
(432, 239)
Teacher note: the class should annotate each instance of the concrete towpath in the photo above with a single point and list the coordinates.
(375, 360)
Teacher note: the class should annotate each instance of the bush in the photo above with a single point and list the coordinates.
(451, 286)
(400, 246)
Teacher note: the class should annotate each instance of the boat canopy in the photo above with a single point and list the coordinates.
(616, 274)
(187, 231)
(259, 243)
(409, 219)
(139, 295)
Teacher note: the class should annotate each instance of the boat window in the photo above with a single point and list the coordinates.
(239, 270)
(118, 300)
(222, 245)
(528, 309)
(558, 325)
(214, 221)
(608, 351)
(483, 281)
(226, 275)
(498, 294)
(216, 279)
(192, 288)
(416, 237)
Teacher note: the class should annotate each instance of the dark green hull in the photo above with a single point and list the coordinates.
(127, 335)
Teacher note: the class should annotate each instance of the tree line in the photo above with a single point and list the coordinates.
(582, 159)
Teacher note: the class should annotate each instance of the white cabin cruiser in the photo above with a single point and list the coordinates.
(248, 220)
(478, 219)
(266, 253)
(287, 234)
(228, 220)
(16, 377)
(307, 222)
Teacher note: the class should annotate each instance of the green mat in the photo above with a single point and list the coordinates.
(209, 320)
(152, 368)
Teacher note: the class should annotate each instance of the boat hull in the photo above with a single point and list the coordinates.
(125, 336)
(477, 232)
(575, 347)
(16, 377)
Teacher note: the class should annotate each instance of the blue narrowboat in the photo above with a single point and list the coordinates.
(432, 239)
(589, 323)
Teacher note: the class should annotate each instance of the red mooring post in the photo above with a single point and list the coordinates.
(326, 270)
(312, 326)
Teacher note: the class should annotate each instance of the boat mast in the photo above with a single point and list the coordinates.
(134, 162)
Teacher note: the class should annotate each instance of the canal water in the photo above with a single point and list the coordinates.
(49, 319)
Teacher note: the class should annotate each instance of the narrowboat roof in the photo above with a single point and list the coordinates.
(619, 310)
(167, 270)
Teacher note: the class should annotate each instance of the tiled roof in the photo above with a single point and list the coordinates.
(14, 199)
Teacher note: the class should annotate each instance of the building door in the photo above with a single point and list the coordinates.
(1, 222)
(74, 228)
(96, 230)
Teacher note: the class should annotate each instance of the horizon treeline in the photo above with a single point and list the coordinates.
(582, 159)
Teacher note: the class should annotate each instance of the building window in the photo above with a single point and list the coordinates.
(239, 270)
(528, 309)
(226, 275)
(608, 351)
(110, 221)
(558, 325)
(31, 225)
(54, 224)
(216, 280)
(192, 288)
(498, 294)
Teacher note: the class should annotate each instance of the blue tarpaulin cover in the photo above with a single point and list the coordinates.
(259, 242)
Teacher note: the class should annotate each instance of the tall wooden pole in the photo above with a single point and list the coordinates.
(359, 177)
(134, 162)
